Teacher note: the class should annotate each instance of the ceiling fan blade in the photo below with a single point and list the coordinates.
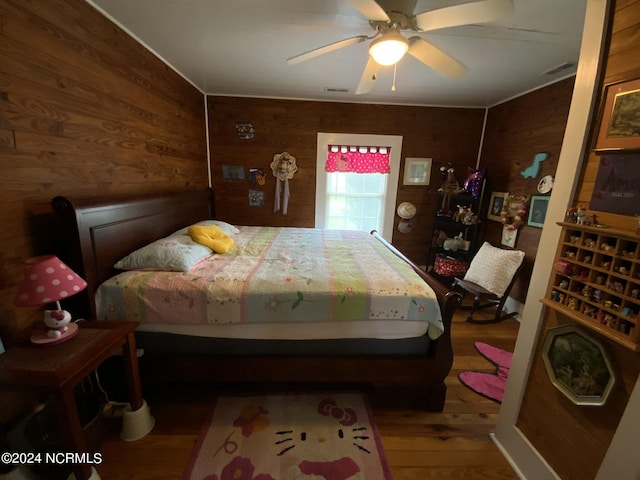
(326, 49)
(435, 58)
(368, 77)
(370, 9)
(464, 14)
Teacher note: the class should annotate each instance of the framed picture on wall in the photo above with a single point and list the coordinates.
(578, 365)
(538, 210)
(619, 127)
(495, 205)
(417, 171)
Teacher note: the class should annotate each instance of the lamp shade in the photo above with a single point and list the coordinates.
(46, 280)
(389, 49)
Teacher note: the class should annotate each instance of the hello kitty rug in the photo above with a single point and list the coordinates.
(290, 436)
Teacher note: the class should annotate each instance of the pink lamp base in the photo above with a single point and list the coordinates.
(41, 337)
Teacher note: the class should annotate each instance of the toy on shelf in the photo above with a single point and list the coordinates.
(450, 186)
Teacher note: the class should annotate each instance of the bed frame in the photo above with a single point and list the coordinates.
(94, 234)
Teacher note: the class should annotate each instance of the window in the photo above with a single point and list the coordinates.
(357, 201)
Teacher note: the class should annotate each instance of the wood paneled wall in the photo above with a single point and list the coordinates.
(84, 111)
(515, 132)
(622, 64)
(572, 439)
(444, 134)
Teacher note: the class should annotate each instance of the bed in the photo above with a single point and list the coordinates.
(95, 234)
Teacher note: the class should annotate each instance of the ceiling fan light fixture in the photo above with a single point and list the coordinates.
(389, 49)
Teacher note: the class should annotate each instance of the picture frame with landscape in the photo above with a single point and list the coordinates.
(619, 126)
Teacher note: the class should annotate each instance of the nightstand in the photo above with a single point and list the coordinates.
(57, 369)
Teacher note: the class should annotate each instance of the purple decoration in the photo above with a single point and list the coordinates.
(473, 184)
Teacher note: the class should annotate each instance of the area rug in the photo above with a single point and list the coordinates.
(289, 436)
(490, 385)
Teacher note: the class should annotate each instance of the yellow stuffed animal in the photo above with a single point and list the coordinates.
(211, 236)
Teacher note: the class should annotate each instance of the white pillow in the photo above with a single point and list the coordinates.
(224, 226)
(493, 268)
(175, 253)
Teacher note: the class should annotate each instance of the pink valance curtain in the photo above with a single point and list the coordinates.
(341, 158)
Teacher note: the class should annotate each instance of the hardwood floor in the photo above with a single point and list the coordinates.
(453, 444)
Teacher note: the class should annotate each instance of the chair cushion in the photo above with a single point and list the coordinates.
(493, 268)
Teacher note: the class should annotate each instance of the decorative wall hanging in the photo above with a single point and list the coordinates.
(417, 171)
(256, 198)
(495, 205)
(620, 117)
(578, 365)
(232, 173)
(617, 187)
(283, 167)
(244, 130)
(509, 237)
(538, 210)
(257, 176)
(406, 211)
(514, 211)
(545, 184)
(533, 170)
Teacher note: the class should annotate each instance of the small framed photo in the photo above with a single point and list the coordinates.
(578, 365)
(496, 204)
(417, 171)
(538, 210)
(619, 127)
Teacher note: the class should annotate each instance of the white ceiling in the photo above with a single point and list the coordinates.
(240, 47)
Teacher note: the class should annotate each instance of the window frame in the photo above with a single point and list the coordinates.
(393, 141)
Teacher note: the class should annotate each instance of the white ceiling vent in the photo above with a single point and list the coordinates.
(559, 68)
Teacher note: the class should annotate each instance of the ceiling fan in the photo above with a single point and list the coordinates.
(389, 45)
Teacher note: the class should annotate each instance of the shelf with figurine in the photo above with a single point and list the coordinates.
(456, 223)
(596, 278)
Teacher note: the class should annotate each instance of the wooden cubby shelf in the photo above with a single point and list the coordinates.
(596, 281)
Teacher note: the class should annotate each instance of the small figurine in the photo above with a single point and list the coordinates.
(57, 321)
(609, 321)
(582, 218)
(587, 259)
(573, 303)
(564, 284)
(450, 186)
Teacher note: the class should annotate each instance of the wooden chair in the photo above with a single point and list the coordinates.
(490, 277)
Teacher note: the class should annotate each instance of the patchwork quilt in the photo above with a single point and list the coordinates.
(275, 274)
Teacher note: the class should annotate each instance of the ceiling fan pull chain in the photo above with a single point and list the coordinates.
(395, 69)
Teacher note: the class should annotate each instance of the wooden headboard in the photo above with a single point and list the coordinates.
(96, 233)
